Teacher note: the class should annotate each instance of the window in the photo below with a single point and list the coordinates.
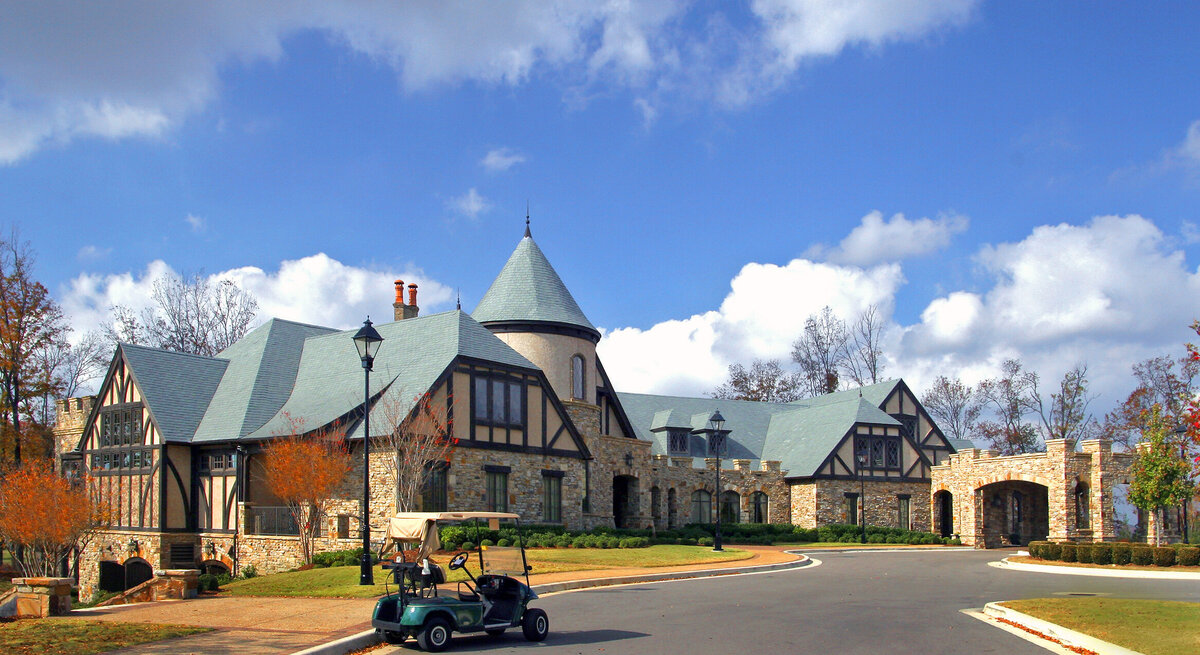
(577, 378)
(716, 444)
(908, 424)
(343, 526)
(1083, 511)
(497, 488)
(677, 442)
(217, 462)
(552, 496)
(701, 506)
(758, 507)
(731, 507)
(902, 507)
(850, 508)
(433, 493)
(121, 427)
(498, 401)
(880, 452)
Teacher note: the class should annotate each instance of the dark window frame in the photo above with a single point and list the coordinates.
(679, 442)
(484, 409)
(552, 504)
(880, 449)
(496, 485)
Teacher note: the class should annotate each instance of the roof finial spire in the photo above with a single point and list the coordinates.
(458, 303)
(527, 234)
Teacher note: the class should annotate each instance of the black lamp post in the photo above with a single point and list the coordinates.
(716, 441)
(862, 491)
(367, 342)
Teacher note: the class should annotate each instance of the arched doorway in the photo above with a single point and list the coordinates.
(758, 507)
(625, 501)
(112, 577)
(137, 571)
(1014, 513)
(943, 502)
(731, 507)
(214, 567)
(655, 505)
(672, 509)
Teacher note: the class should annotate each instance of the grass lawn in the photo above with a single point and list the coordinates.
(342, 581)
(1153, 627)
(842, 544)
(80, 637)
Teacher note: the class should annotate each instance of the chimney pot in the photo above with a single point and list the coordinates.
(412, 295)
(400, 291)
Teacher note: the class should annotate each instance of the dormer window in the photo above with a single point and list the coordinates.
(577, 377)
(677, 442)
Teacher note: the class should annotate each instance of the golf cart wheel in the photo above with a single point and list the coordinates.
(393, 637)
(535, 625)
(435, 636)
(495, 632)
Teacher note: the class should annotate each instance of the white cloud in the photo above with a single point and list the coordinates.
(1188, 152)
(70, 71)
(1190, 232)
(470, 204)
(90, 253)
(878, 240)
(316, 289)
(197, 223)
(501, 159)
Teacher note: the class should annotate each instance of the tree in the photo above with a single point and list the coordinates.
(191, 315)
(1161, 475)
(1161, 381)
(67, 368)
(30, 321)
(863, 356)
(954, 405)
(419, 437)
(303, 470)
(821, 352)
(1010, 398)
(765, 381)
(45, 516)
(1066, 415)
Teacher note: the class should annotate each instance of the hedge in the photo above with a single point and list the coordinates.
(1120, 553)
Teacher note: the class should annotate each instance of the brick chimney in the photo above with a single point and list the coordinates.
(411, 309)
(398, 305)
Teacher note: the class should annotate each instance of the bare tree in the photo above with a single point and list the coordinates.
(419, 437)
(1161, 381)
(1010, 398)
(192, 315)
(863, 357)
(1066, 415)
(69, 367)
(821, 352)
(764, 381)
(954, 406)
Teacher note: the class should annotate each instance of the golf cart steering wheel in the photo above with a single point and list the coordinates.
(458, 560)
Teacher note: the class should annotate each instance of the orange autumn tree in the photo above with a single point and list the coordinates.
(304, 470)
(418, 436)
(43, 515)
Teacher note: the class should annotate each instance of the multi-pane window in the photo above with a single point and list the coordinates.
(434, 497)
(121, 427)
(731, 506)
(701, 506)
(497, 490)
(216, 462)
(902, 512)
(677, 442)
(577, 377)
(498, 401)
(758, 507)
(552, 496)
(908, 424)
(1083, 510)
(878, 452)
(850, 508)
(716, 444)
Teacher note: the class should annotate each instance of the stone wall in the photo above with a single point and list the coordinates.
(679, 475)
(70, 417)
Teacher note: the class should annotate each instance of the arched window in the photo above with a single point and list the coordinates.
(758, 507)
(731, 507)
(1083, 509)
(655, 501)
(701, 506)
(577, 377)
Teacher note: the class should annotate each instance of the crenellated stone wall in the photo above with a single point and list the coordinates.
(70, 417)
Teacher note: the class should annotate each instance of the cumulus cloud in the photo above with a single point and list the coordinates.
(501, 159)
(69, 71)
(470, 204)
(877, 239)
(316, 289)
(197, 223)
(91, 253)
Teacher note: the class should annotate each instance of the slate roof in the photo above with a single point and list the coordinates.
(800, 435)
(176, 387)
(529, 290)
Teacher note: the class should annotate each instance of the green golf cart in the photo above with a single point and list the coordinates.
(492, 601)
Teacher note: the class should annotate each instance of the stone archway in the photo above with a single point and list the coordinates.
(112, 577)
(943, 513)
(1014, 512)
(672, 509)
(137, 571)
(625, 501)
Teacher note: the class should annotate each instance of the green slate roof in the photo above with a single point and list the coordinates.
(529, 290)
(176, 387)
(800, 435)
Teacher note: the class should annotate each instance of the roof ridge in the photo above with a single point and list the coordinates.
(168, 351)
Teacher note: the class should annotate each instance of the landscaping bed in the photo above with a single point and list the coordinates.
(62, 636)
(1117, 555)
(1153, 627)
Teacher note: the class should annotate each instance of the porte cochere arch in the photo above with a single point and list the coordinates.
(998, 501)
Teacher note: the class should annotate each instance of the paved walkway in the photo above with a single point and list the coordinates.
(286, 625)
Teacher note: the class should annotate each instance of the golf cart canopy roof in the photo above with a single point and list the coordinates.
(453, 516)
(421, 527)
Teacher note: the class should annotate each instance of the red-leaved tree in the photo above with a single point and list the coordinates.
(45, 515)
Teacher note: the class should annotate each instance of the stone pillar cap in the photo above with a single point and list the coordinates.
(42, 582)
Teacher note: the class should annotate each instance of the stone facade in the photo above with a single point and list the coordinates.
(822, 502)
(676, 478)
(1061, 494)
(70, 417)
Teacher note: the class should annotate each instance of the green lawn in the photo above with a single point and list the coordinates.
(342, 581)
(81, 637)
(1153, 627)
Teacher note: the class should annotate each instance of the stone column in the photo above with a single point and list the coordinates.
(181, 584)
(1059, 506)
(42, 597)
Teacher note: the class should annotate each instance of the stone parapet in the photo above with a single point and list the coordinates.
(42, 597)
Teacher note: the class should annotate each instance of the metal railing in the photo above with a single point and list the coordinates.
(271, 521)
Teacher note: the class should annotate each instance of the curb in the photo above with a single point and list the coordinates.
(1065, 635)
(1098, 573)
(368, 638)
(910, 549)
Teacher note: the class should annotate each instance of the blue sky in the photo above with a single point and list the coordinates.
(702, 175)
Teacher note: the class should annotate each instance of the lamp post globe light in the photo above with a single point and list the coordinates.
(716, 442)
(367, 341)
(862, 492)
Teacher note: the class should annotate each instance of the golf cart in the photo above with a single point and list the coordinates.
(491, 602)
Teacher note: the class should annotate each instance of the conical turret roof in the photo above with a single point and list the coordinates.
(529, 294)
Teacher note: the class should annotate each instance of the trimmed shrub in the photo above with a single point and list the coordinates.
(1188, 557)
(562, 542)
(487, 542)
(1067, 552)
(1164, 556)
(1143, 555)
(468, 545)
(503, 543)
(1102, 553)
(209, 582)
(1083, 553)
(1122, 554)
(704, 541)
(1052, 551)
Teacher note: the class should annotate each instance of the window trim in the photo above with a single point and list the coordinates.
(578, 377)
(881, 444)
(552, 504)
(496, 485)
(488, 403)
